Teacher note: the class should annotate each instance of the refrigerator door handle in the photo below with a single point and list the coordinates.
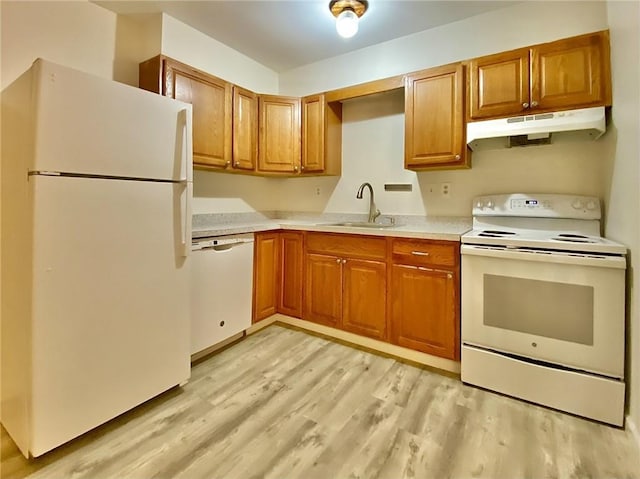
(186, 219)
(187, 166)
(187, 161)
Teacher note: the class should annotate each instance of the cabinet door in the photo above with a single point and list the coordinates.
(291, 256)
(211, 101)
(265, 270)
(364, 296)
(323, 289)
(245, 129)
(424, 312)
(434, 122)
(499, 85)
(313, 133)
(279, 139)
(571, 73)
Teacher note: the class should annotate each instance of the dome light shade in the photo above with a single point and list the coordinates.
(348, 13)
(347, 23)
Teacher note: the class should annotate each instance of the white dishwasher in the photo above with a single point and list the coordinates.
(222, 286)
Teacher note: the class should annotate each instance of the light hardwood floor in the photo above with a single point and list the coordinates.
(284, 404)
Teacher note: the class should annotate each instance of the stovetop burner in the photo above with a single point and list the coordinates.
(575, 239)
(495, 234)
(571, 235)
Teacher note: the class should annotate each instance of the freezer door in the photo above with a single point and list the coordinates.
(110, 301)
(91, 125)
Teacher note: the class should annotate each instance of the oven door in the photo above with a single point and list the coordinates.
(562, 308)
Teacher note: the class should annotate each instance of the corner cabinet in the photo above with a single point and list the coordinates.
(561, 75)
(291, 273)
(434, 119)
(279, 134)
(321, 136)
(211, 99)
(425, 297)
(265, 275)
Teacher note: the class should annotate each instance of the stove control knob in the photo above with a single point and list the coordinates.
(591, 205)
(577, 204)
(479, 204)
(490, 204)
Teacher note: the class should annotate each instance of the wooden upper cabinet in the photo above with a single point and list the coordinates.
(279, 134)
(321, 136)
(434, 119)
(571, 73)
(211, 100)
(499, 84)
(561, 75)
(245, 129)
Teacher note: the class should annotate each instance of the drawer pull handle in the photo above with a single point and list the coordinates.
(420, 253)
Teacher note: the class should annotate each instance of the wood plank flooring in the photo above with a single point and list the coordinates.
(285, 404)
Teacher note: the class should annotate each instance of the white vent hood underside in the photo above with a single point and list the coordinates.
(589, 121)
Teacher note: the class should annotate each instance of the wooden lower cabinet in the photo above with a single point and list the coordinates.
(424, 310)
(401, 290)
(323, 289)
(265, 275)
(291, 268)
(364, 297)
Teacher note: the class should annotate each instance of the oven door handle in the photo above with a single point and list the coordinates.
(560, 257)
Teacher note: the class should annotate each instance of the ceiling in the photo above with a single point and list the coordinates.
(283, 35)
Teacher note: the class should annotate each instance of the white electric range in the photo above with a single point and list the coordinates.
(543, 304)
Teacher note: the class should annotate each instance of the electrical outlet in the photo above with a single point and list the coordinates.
(317, 191)
(445, 190)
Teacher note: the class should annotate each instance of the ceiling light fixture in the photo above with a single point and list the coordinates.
(347, 13)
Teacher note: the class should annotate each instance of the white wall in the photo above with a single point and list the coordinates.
(499, 30)
(78, 34)
(622, 182)
(373, 151)
(373, 129)
(183, 43)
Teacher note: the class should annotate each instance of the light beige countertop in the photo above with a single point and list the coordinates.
(435, 227)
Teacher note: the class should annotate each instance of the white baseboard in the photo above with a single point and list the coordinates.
(372, 344)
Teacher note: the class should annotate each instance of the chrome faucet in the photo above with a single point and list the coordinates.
(373, 211)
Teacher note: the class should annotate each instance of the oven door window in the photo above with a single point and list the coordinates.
(541, 308)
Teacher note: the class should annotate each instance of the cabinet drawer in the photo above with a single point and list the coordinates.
(353, 246)
(420, 252)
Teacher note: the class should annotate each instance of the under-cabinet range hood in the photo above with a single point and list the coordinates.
(536, 129)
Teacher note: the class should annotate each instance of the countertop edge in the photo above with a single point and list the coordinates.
(398, 232)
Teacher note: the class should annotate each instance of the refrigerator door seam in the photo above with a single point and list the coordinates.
(67, 174)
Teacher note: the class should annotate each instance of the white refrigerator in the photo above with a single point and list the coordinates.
(96, 233)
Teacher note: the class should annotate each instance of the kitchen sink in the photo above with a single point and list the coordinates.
(363, 224)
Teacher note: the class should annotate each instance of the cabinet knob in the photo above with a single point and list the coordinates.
(295, 168)
(449, 276)
(236, 164)
(344, 261)
(227, 163)
(338, 260)
(457, 157)
(302, 167)
(534, 104)
(525, 105)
